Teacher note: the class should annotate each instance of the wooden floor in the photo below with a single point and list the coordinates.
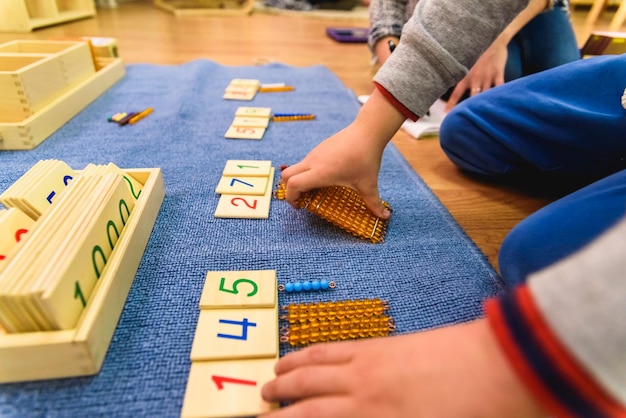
(147, 34)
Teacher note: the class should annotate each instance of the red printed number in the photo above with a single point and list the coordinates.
(19, 233)
(18, 237)
(245, 202)
(220, 380)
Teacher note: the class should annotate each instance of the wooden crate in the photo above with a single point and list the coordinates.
(26, 15)
(34, 73)
(43, 84)
(73, 57)
(81, 351)
(182, 8)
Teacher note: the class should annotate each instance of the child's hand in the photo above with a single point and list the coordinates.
(488, 72)
(350, 158)
(457, 371)
(341, 160)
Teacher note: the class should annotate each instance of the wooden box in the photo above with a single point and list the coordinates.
(34, 73)
(26, 15)
(184, 8)
(43, 84)
(81, 351)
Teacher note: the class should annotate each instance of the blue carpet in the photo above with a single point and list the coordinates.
(427, 268)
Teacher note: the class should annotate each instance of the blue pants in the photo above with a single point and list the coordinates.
(547, 41)
(561, 126)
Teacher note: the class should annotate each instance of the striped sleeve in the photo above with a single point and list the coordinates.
(387, 17)
(547, 367)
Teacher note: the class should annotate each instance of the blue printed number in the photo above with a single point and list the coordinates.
(234, 290)
(232, 183)
(244, 329)
(66, 180)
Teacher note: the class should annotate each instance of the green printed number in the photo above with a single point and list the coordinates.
(78, 294)
(234, 290)
(97, 250)
(132, 189)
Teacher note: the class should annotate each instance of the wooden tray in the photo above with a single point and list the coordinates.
(35, 73)
(27, 15)
(81, 351)
(191, 8)
(30, 132)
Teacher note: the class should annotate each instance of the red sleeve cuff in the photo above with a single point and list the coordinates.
(396, 103)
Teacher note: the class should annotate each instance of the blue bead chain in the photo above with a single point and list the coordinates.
(307, 285)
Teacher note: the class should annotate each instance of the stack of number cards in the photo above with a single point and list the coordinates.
(241, 89)
(35, 191)
(47, 278)
(235, 346)
(14, 225)
(249, 123)
(245, 189)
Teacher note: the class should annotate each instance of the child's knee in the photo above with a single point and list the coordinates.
(515, 258)
(454, 138)
(450, 130)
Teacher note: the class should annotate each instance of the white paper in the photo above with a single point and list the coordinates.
(426, 126)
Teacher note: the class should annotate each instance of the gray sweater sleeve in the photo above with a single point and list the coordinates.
(387, 17)
(439, 43)
(583, 300)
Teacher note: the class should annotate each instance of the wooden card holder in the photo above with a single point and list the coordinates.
(43, 84)
(33, 74)
(184, 8)
(26, 15)
(81, 351)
